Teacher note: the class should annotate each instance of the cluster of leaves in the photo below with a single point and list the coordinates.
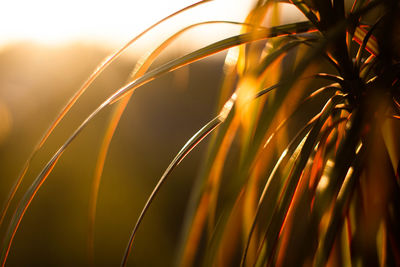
(316, 177)
(302, 166)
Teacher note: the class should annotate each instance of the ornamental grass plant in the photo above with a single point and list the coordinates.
(301, 167)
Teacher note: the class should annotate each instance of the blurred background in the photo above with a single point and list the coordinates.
(47, 50)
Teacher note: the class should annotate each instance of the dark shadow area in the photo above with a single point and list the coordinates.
(35, 83)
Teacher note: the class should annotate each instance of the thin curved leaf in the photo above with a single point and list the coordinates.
(364, 44)
(198, 137)
(73, 100)
(339, 208)
(276, 220)
(172, 65)
(201, 134)
(140, 70)
(306, 10)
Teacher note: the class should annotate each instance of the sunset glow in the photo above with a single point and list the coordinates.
(51, 22)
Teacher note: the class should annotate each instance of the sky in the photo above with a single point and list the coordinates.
(112, 22)
(49, 21)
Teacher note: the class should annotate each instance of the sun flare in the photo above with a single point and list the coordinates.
(52, 22)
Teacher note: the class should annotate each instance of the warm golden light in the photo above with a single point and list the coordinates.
(51, 22)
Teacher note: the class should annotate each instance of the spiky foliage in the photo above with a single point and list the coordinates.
(315, 179)
(302, 167)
